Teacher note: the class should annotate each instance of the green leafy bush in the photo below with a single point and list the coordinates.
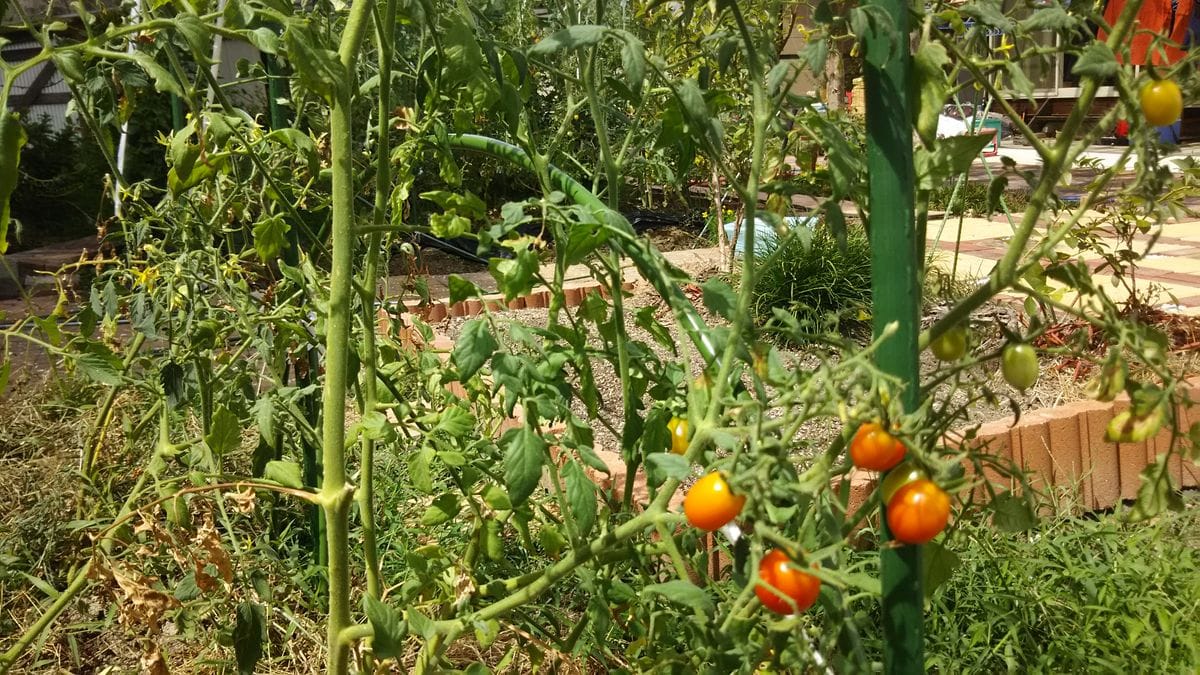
(821, 282)
(973, 198)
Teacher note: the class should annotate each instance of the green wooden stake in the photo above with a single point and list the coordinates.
(177, 113)
(895, 255)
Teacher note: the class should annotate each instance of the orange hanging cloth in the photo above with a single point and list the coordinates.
(1155, 18)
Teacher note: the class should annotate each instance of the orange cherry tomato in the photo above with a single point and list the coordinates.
(875, 449)
(678, 426)
(710, 504)
(789, 582)
(918, 511)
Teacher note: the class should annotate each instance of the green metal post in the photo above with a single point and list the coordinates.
(895, 256)
(276, 89)
(177, 113)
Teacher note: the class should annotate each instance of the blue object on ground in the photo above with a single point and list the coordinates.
(1171, 134)
(764, 232)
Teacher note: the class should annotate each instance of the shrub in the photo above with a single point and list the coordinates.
(823, 283)
(973, 197)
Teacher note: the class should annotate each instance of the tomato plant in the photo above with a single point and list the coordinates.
(950, 345)
(874, 448)
(710, 503)
(255, 278)
(783, 587)
(1161, 101)
(918, 511)
(1019, 364)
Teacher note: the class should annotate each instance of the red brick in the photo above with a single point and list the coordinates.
(1034, 430)
(537, 299)
(573, 296)
(1189, 473)
(862, 486)
(1066, 441)
(1103, 463)
(437, 312)
(516, 303)
(996, 440)
(473, 307)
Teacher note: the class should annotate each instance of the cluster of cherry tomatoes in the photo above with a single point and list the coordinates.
(917, 510)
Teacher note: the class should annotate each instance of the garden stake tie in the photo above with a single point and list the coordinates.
(895, 295)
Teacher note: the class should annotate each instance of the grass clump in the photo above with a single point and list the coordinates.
(825, 283)
(1074, 595)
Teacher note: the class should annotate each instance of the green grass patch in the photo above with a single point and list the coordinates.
(825, 284)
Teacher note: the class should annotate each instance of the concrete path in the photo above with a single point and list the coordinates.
(1173, 267)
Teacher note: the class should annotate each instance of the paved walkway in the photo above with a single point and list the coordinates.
(1172, 268)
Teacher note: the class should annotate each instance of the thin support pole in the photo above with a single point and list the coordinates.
(896, 294)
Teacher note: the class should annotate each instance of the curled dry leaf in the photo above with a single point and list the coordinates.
(143, 604)
(242, 501)
(153, 662)
(209, 541)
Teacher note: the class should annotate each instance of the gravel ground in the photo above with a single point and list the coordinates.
(1054, 387)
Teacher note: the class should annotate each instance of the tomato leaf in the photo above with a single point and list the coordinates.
(319, 69)
(224, 433)
(461, 289)
(270, 237)
(663, 465)
(455, 421)
(249, 629)
(720, 298)
(691, 102)
(1097, 60)
(525, 453)
(387, 627)
(286, 474)
(1011, 513)
(442, 510)
(581, 496)
(102, 369)
(12, 139)
(1156, 493)
(570, 38)
(684, 593)
(495, 497)
(633, 62)
(474, 348)
(937, 566)
(418, 469)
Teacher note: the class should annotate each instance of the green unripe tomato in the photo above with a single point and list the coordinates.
(1019, 363)
(951, 345)
(902, 474)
